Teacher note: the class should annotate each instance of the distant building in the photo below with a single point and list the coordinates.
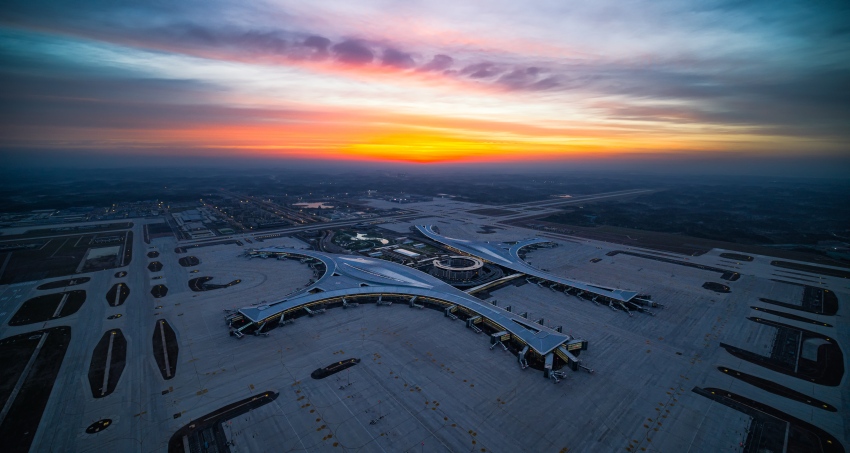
(407, 253)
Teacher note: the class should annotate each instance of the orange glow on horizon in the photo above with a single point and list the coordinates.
(374, 136)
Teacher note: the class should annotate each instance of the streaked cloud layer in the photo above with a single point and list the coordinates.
(427, 81)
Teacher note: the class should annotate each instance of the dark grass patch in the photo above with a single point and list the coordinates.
(42, 308)
(209, 426)
(815, 300)
(200, 284)
(63, 283)
(334, 368)
(777, 389)
(56, 257)
(117, 295)
(99, 426)
(767, 432)
(716, 287)
(82, 229)
(98, 365)
(813, 269)
(15, 352)
(189, 261)
(153, 254)
(14, 247)
(736, 256)
(158, 230)
(827, 370)
(159, 291)
(155, 266)
(782, 314)
(186, 248)
(724, 274)
(163, 331)
(797, 273)
(830, 303)
(730, 276)
(487, 229)
(678, 243)
(22, 420)
(121, 258)
(493, 212)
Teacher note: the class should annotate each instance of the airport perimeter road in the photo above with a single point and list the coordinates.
(312, 226)
(584, 198)
(548, 207)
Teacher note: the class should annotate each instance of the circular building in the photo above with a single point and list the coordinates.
(457, 268)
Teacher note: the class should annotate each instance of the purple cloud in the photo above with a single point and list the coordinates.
(352, 52)
(481, 70)
(317, 46)
(438, 63)
(397, 58)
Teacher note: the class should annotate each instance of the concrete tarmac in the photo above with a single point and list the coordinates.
(426, 383)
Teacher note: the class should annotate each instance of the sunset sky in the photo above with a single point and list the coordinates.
(426, 81)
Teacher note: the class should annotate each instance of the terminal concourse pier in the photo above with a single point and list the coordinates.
(344, 281)
(508, 256)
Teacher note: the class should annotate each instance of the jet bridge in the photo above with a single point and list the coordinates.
(498, 339)
(471, 323)
(523, 363)
(450, 312)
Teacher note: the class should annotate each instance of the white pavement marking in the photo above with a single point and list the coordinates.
(5, 263)
(355, 417)
(60, 306)
(108, 363)
(123, 250)
(290, 425)
(164, 349)
(381, 383)
(59, 248)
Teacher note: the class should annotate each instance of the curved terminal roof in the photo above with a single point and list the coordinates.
(507, 255)
(347, 276)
